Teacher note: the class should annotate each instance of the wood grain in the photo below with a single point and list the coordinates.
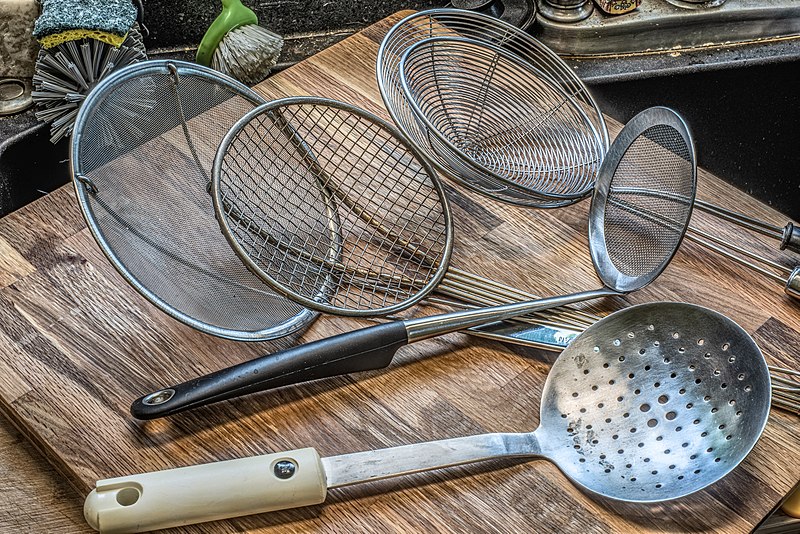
(77, 345)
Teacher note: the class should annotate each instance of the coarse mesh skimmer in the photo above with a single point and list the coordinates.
(623, 264)
(141, 157)
(484, 30)
(652, 403)
(486, 112)
(362, 227)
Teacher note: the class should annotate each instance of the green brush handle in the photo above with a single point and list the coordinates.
(234, 14)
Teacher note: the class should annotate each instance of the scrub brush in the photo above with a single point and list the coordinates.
(237, 46)
(83, 41)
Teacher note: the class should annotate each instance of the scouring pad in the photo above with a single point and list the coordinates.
(70, 20)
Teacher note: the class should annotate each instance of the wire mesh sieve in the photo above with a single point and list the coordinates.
(485, 30)
(362, 226)
(142, 151)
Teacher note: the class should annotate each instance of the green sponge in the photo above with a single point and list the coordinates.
(69, 20)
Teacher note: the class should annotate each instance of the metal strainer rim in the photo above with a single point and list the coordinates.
(82, 190)
(280, 288)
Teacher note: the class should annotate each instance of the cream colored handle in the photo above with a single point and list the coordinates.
(187, 495)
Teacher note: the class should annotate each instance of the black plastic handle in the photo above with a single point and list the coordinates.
(361, 350)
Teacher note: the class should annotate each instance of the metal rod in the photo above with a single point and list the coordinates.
(745, 221)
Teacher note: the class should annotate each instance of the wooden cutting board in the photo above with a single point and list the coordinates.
(77, 345)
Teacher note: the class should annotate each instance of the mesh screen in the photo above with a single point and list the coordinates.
(649, 201)
(152, 207)
(332, 208)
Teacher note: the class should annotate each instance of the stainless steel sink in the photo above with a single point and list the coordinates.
(662, 25)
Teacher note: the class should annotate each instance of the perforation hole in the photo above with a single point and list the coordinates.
(707, 355)
(726, 346)
(740, 376)
(652, 423)
(701, 342)
(651, 327)
(642, 351)
(675, 335)
(732, 359)
(671, 415)
(656, 343)
(689, 406)
(667, 359)
(748, 389)
(645, 407)
(617, 342)
(663, 399)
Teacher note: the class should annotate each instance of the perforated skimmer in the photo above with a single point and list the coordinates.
(639, 213)
(141, 157)
(652, 403)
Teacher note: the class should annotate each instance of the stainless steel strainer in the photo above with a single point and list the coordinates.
(514, 43)
(490, 114)
(142, 150)
(652, 403)
(639, 213)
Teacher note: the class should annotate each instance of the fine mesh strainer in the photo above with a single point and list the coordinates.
(485, 111)
(634, 232)
(141, 157)
(652, 403)
(485, 30)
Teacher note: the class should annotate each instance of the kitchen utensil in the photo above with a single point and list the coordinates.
(141, 157)
(236, 45)
(483, 108)
(641, 205)
(513, 41)
(363, 226)
(652, 403)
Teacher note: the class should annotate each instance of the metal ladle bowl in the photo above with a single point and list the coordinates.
(654, 402)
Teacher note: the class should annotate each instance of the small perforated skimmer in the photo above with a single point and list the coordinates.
(652, 403)
(638, 216)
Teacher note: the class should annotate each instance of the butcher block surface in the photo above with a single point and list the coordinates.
(77, 345)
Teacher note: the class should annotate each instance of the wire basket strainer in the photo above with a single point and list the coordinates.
(486, 112)
(450, 23)
(143, 146)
